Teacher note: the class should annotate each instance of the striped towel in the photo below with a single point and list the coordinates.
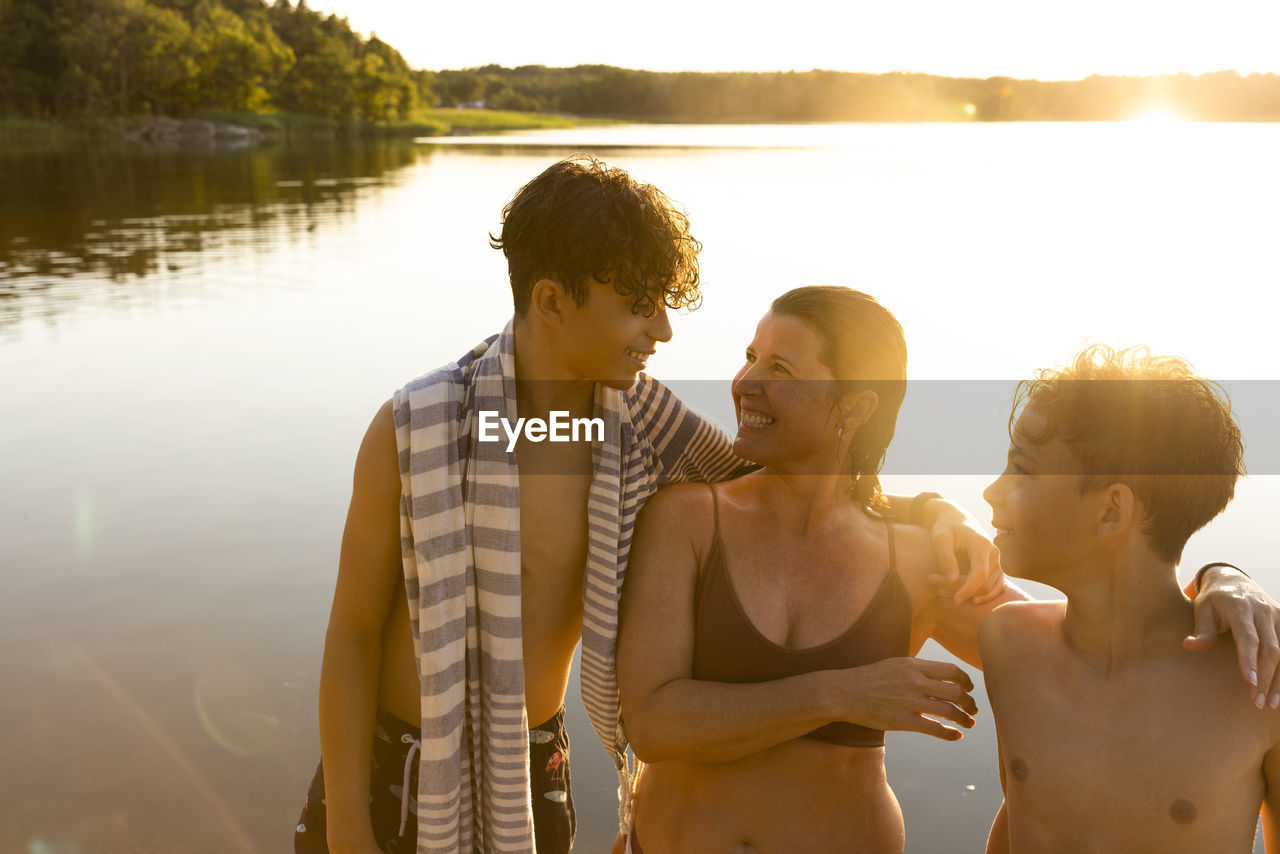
(460, 535)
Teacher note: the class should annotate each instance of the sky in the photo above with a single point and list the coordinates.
(1044, 39)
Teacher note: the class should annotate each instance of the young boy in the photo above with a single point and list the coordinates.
(1113, 463)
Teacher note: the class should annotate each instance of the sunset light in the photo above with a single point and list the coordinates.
(783, 274)
(1159, 115)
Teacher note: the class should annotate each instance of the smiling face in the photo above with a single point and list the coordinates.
(782, 396)
(604, 340)
(1043, 523)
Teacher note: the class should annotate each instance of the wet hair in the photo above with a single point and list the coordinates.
(1148, 422)
(861, 342)
(581, 220)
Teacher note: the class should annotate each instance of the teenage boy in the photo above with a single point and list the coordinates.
(1113, 463)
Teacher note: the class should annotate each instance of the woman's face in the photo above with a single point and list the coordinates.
(783, 399)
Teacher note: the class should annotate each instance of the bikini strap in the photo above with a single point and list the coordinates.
(889, 526)
(715, 514)
(713, 557)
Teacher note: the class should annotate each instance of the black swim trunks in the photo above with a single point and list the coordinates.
(554, 819)
(391, 803)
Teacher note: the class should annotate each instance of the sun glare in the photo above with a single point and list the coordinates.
(1158, 116)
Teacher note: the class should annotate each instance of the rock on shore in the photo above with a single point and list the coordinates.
(194, 134)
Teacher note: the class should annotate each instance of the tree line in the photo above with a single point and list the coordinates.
(597, 90)
(71, 58)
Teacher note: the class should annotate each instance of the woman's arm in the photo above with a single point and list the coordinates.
(671, 715)
(1227, 600)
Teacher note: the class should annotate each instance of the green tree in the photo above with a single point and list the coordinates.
(425, 83)
(321, 82)
(30, 57)
(238, 61)
(384, 83)
(459, 87)
(126, 56)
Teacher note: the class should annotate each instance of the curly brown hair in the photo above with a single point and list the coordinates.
(581, 220)
(1146, 421)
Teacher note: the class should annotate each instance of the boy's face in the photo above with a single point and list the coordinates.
(1043, 524)
(605, 341)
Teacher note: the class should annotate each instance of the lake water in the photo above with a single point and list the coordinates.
(191, 347)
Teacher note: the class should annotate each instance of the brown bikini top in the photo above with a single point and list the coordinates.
(728, 648)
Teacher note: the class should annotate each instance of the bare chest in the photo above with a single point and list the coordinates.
(555, 482)
(1153, 763)
(553, 556)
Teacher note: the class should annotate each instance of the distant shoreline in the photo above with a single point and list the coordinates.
(275, 127)
(280, 69)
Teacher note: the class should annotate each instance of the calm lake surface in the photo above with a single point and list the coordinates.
(192, 345)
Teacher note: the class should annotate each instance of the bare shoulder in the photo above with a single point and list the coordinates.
(680, 509)
(378, 462)
(1018, 627)
(672, 533)
(371, 537)
(370, 563)
(1024, 616)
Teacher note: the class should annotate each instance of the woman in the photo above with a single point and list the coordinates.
(767, 622)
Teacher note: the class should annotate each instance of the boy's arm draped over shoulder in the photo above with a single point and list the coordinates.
(682, 445)
(937, 614)
(369, 568)
(955, 535)
(958, 627)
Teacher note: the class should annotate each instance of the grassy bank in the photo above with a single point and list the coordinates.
(438, 122)
(483, 121)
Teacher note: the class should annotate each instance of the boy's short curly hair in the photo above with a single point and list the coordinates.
(1146, 421)
(582, 220)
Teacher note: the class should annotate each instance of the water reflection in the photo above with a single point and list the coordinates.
(80, 223)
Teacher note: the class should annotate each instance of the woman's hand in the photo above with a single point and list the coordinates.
(958, 540)
(1231, 601)
(897, 693)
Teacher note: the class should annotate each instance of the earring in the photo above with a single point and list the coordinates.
(840, 432)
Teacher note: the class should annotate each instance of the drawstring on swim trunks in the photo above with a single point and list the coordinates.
(416, 744)
(627, 778)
